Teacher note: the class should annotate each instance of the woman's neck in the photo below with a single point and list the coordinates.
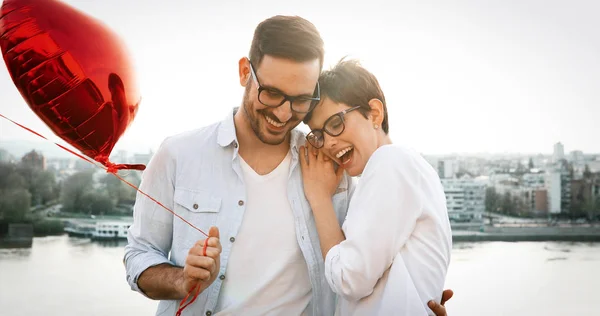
(384, 139)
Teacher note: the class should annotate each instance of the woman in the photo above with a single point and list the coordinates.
(392, 253)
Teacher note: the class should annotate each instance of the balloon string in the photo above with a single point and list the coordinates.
(110, 169)
(113, 169)
(195, 289)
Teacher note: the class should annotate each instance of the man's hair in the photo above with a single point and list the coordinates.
(289, 37)
(350, 83)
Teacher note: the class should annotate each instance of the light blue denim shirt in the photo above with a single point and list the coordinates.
(197, 175)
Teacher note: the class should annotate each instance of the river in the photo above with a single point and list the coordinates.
(71, 276)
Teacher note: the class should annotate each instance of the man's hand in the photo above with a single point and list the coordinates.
(440, 309)
(200, 267)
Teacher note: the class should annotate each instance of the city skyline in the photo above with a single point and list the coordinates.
(466, 77)
(18, 148)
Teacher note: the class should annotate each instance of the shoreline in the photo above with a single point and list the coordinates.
(464, 232)
(541, 233)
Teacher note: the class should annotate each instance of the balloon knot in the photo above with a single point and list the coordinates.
(111, 167)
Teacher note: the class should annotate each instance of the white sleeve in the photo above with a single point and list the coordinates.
(150, 235)
(382, 215)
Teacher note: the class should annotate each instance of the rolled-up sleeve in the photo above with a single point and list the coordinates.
(381, 217)
(150, 236)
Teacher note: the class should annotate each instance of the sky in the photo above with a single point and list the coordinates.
(465, 76)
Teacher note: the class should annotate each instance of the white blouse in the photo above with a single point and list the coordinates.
(398, 239)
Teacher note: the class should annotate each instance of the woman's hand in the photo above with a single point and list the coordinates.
(318, 174)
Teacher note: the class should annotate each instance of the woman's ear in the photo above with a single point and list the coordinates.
(377, 112)
(244, 71)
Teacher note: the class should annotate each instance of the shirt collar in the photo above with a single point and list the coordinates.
(226, 136)
(226, 133)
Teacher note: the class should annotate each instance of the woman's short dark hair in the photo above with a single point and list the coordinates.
(350, 83)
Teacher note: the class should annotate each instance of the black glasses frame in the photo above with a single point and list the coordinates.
(318, 133)
(314, 100)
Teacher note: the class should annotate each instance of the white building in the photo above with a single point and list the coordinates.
(120, 156)
(553, 186)
(447, 168)
(594, 165)
(577, 157)
(559, 152)
(465, 198)
(142, 158)
(533, 180)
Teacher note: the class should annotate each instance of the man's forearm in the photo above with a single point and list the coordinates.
(162, 282)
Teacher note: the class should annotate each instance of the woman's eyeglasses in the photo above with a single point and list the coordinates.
(334, 126)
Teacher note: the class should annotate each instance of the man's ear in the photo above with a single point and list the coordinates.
(244, 71)
(377, 112)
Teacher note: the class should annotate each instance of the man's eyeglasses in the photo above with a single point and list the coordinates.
(334, 126)
(274, 98)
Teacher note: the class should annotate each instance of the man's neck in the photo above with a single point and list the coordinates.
(261, 157)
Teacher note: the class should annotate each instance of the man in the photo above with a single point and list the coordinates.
(242, 175)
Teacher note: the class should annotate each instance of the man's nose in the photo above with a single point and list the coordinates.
(284, 112)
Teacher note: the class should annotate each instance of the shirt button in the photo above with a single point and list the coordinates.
(240, 202)
(208, 313)
(195, 206)
(222, 277)
(232, 239)
(235, 144)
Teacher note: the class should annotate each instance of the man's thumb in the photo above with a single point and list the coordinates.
(213, 232)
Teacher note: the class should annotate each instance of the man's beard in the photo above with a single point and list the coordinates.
(253, 119)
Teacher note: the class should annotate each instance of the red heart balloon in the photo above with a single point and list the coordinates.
(72, 71)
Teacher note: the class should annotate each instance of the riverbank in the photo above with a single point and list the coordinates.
(466, 232)
(540, 233)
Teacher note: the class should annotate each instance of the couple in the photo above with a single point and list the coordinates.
(279, 205)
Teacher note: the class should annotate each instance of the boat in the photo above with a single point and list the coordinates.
(111, 230)
(98, 229)
(79, 228)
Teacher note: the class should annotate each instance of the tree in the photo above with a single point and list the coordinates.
(10, 178)
(113, 187)
(519, 207)
(40, 183)
(22, 186)
(15, 200)
(579, 204)
(14, 205)
(531, 166)
(587, 174)
(592, 208)
(520, 168)
(491, 202)
(73, 190)
(506, 205)
(96, 203)
(118, 191)
(491, 199)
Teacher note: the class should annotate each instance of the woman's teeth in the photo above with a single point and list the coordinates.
(272, 122)
(343, 152)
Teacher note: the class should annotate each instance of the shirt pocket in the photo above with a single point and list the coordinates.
(200, 208)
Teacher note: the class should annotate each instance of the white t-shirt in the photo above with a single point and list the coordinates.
(398, 239)
(266, 273)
